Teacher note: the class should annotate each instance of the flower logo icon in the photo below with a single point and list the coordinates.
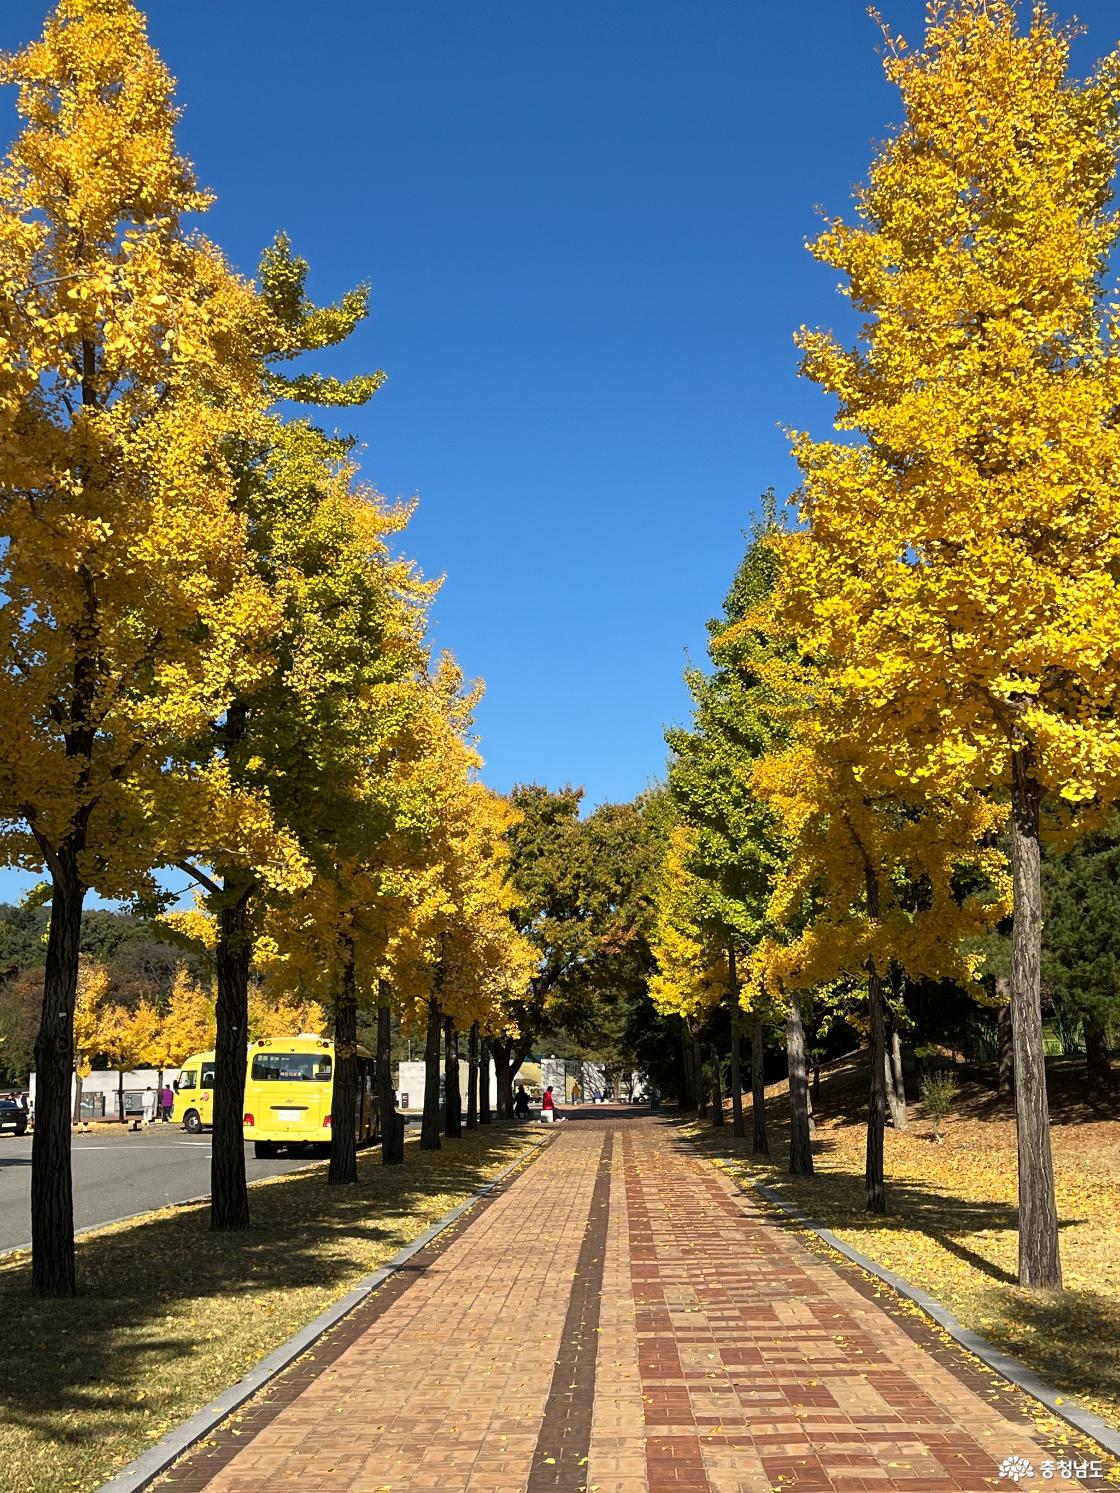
(1014, 1468)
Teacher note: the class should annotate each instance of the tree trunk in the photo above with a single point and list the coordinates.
(472, 1077)
(1005, 1051)
(452, 1098)
(229, 1195)
(1098, 1069)
(687, 1100)
(760, 1143)
(901, 1118)
(1039, 1262)
(77, 1113)
(502, 1048)
(392, 1122)
(698, 1069)
(717, 1086)
(429, 1125)
(800, 1149)
(737, 1126)
(52, 1188)
(485, 1117)
(877, 1105)
(120, 1095)
(889, 1090)
(343, 1167)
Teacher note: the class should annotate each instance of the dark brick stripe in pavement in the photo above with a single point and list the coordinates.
(560, 1459)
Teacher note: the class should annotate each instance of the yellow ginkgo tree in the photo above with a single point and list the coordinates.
(959, 565)
(129, 373)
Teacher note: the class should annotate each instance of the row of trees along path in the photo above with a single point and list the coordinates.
(213, 657)
(921, 676)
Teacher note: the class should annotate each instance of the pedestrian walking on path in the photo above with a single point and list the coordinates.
(151, 1104)
(167, 1101)
(685, 1340)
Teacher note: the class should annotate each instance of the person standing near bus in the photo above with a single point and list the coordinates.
(150, 1105)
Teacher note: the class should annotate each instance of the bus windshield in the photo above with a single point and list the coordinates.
(291, 1067)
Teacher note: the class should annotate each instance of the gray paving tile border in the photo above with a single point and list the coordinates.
(1011, 1369)
(148, 1466)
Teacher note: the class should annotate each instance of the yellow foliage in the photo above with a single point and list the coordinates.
(958, 572)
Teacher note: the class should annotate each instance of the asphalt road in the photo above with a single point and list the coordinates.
(118, 1175)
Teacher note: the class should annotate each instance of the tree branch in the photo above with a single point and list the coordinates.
(206, 882)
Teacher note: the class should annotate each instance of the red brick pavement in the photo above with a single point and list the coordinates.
(731, 1357)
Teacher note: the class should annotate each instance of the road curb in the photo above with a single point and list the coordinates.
(148, 1466)
(1027, 1380)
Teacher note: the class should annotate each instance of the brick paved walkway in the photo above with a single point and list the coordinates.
(621, 1319)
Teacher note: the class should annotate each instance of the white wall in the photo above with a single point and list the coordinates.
(106, 1081)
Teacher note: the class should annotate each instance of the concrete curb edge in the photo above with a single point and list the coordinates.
(1027, 1380)
(140, 1472)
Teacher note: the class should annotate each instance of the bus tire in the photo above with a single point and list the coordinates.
(263, 1149)
(192, 1122)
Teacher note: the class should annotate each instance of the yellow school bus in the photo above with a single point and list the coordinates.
(194, 1093)
(289, 1092)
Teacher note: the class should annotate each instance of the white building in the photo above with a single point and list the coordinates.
(100, 1090)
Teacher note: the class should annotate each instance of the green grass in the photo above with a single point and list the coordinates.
(168, 1314)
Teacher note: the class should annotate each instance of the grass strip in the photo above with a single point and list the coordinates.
(169, 1314)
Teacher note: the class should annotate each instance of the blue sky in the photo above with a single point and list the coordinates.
(583, 221)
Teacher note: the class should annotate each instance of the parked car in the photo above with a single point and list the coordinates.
(12, 1116)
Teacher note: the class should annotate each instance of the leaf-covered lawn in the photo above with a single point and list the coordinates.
(951, 1228)
(170, 1314)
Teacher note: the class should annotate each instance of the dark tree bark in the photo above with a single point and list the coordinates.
(800, 1148)
(452, 1098)
(877, 1105)
(698, 1070)
(1005, 1056)
(343, 1167)
(760, 1143)
(505, 1066)
(77, 1117)
(687, 1100)
(717, 1086)
(52, 1188)
(472, 1077)
(1098, 1069)
(737, 1126)
(429, 1124)
(229, 1195)
(120, 1095)
(1039, 1261)
(392, 1121)
(485, 1117)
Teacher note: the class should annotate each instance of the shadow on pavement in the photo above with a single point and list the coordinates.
(158, 1301)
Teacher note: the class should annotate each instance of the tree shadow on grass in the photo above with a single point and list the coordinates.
(1070, 1338)
(837, 1199)
(169, 1313)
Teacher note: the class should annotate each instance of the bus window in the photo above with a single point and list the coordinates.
(207, 1076)
(291, 1067)
(186, 1080)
